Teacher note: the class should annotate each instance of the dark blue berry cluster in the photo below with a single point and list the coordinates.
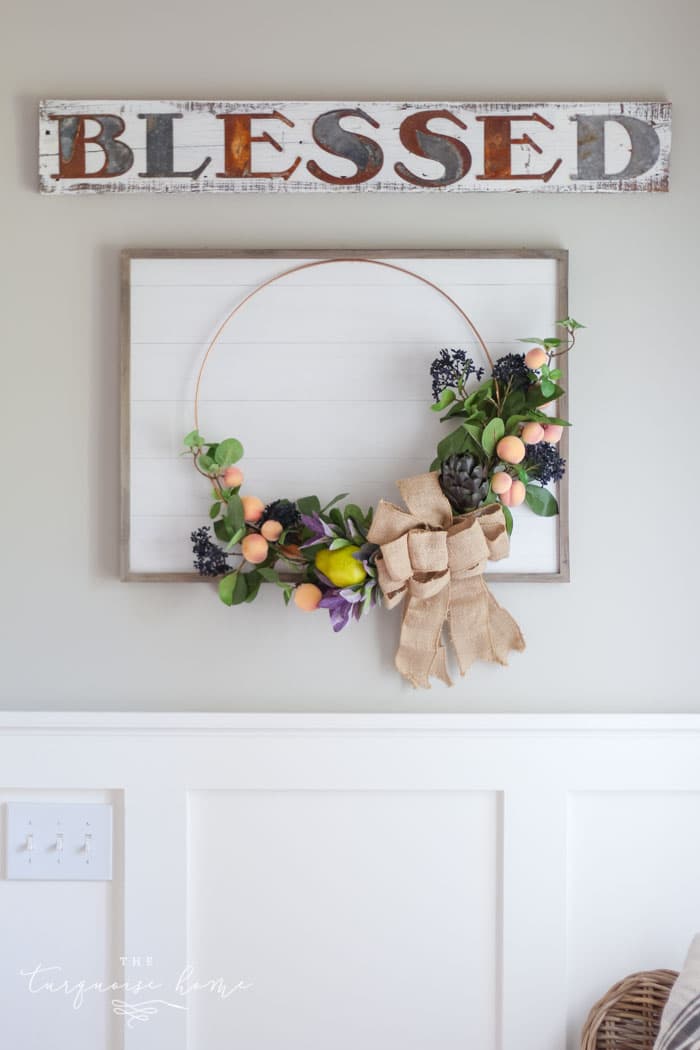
(284, 511)
(512, 368)
(452, 369)
(209, 560)
(545, 462)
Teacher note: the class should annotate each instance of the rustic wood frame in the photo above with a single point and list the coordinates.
(560, 256)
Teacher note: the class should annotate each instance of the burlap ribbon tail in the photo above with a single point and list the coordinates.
(436, 563)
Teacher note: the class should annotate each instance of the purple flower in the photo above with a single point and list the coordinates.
(319, 529)
(341, 605)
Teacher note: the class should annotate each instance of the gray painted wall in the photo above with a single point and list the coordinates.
(621, 637)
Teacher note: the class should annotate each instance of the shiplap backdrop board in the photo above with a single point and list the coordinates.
(323, 377)
(131, 146)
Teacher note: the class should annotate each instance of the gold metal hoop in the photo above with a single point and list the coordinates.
(309, 266)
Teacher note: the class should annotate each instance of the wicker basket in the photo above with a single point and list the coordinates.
(629, 1015)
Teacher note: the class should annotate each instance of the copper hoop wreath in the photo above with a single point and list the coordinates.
(328, 262)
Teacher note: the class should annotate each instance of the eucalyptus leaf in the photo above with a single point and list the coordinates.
(446, 398)
(222, 530)
(253, 581)
(206, 463)
(270, 575)
(234, 513)
(194, 439)
(235, 538)
(228, 452)
(240, 590)
(493, 432)
(541, 501)
(227, 585)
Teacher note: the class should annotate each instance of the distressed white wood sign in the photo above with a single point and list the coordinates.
(324, 377)
(223, 147)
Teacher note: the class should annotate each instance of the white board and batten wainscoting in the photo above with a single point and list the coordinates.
(324, 377)
(394, 882)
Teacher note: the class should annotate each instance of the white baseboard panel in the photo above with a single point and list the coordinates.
(385, 881)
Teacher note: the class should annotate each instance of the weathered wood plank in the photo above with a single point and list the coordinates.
(108, 146)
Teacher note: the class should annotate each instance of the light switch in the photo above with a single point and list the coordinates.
(71, 841)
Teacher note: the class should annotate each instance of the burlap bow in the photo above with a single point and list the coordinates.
(437, 563)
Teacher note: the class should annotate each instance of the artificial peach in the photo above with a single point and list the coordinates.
(272, 530)
(307, 596)
(253, 509)
(553, 433)
(501, 482)
(232, 478)
(515, 494)
(511, 449)
(532, 433)
(536, 357)
(254, 548)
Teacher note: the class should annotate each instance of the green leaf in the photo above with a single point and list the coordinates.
(535, 397)
(234, 513)
(570, 324)
(240, 591)
(206, 463)
(194, 439)
(236, 538)
(453, 444)
(288, 591)
(538, 342)
(270, 575)
(228, 452)
(227, 586)
(551, 343)
(509, 518)
(336, 545)
(541, 501)
(493, 432)
(214, 510)
(337, 519)
(547, 387)
(555, 373)
(253, 581)
(335, 500)
(309, 504)
(446, 398)
(222, 530)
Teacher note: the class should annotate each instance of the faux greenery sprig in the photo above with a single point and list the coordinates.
(326, 547)
(501, 424)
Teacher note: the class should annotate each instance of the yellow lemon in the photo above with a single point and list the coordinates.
(340, 567)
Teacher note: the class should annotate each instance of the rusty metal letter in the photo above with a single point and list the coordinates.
(238, 139)
(590, 133)
(160, 150)
(417, 138)
(72, 141)
(498, 141)
(365, 153)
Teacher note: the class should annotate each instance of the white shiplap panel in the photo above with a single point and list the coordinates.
(324, 378)
(362, 313)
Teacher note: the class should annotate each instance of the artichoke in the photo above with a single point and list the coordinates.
(465, 482)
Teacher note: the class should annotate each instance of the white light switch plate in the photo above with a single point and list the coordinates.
(71, 841)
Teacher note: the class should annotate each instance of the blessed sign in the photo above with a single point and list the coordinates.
(225, 147)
